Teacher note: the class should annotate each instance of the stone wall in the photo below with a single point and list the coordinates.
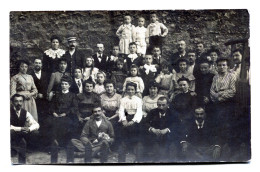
(30, 32)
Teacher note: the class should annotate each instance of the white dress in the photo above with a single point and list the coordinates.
(140, 39)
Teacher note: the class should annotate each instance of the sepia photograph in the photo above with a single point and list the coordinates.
(130, 86)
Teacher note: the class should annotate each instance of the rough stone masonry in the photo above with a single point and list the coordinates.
(30, 31)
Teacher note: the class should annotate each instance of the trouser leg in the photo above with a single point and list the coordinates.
(104, 150)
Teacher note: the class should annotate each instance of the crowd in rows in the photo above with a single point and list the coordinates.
(163, 109)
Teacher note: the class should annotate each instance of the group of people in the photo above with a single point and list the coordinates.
(163, 109)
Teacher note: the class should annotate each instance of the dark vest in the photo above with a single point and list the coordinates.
(18, 122)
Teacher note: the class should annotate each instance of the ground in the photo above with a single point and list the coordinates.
(37, 157)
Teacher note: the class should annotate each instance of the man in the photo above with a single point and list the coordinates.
(74, 57)
(162, 132)
(181, 53)
(23, 127)
(200, 143)
(96, 137)
(41, 82)
(102, 61)
(201, 55)
(237, 58)
(191, 58)
(157, 57)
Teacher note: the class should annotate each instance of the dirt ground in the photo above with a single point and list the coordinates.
(37, 157)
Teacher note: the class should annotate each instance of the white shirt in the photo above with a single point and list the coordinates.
(80, 87)
(198, 124)
(65, 92)
(39, 74)
(30, 122)
(72, 52)
(133, 106)
(98, 123)
(99, 56)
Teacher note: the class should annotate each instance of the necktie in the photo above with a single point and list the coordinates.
(79, 83)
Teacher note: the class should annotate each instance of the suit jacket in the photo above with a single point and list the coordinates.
(159, 61)
(74, 86)
(170, 120)
(91, 130)
(174, 59)
(138, 62)
(42, 83)
(105, 64)
(205, 136)
(76, 60)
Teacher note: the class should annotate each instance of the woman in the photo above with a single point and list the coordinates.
(23, 84)
(51, 56)
(62, 122)
(150, 101)
(54, 84)
(110, 101)
(85, 102)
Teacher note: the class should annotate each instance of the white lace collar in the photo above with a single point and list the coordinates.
(53, 53)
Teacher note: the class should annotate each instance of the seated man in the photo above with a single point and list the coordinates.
(161, 129)
(200, 143)
(23, 127)
(96, 137)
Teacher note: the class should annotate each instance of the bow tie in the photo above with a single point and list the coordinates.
(132, 56)
(148, 68)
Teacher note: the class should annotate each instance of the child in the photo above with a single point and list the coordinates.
(165, 80)
(76, 86)
(183, 67)
(140, 37)
(99, 87)
(119, 75)
(126, 34)
(155, 32)
(157, 58)
(135, 79)
(133, 58)
(90, 72)
(148, 72)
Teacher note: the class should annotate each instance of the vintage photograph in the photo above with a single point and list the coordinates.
(130, 87)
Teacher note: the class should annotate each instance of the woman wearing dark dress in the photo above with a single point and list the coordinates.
(51, 56)
(62, 123)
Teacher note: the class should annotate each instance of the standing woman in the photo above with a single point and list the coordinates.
(51, 56)
(23, 84)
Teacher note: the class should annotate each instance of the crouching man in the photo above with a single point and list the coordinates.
(96, 138)
(23, 128)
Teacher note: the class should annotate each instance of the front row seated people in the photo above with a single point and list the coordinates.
(201, 141)
(161, 132)
(97, 136)
(24, 128)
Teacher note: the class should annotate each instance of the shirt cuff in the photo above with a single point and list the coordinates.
(217, 146)
(182, 142)
(150, 129)
(168, 130)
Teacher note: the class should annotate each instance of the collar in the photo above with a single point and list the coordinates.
(37, 73)
(16, 110)
(162, 114)
(200, 123)
(98, 55)
(65, 92)
(77, 79)
(54, 53)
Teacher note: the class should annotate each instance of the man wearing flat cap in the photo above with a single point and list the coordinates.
(74, 57)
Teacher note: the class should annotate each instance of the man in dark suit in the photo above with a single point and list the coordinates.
(162, 132)
(97, 136)
(102, 61)
(41, 82)
(201, 142)
(201, 55)
(77, 82)
(75, 58)
(181, 53)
